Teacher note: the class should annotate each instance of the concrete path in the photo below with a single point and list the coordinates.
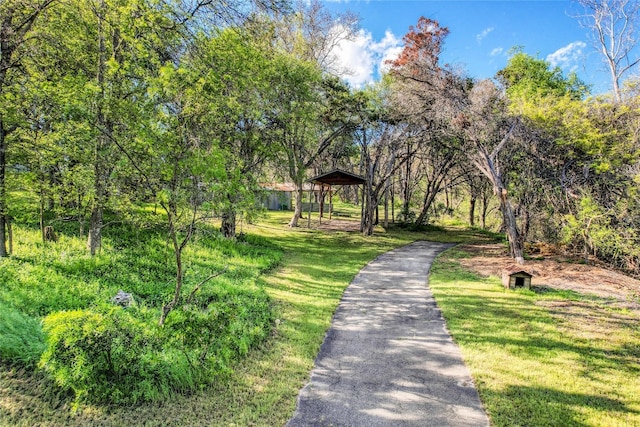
(387, 359)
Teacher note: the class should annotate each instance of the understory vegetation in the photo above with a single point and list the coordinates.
(58, 314)
(541, 357)
(259, 389)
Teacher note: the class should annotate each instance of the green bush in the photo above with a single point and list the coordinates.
(105, 355)
(111, 354)
(21, 338)
(220, 325)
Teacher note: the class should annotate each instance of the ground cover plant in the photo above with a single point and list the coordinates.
(536, 358)
(57, 312)
(542, 357)
(315, 268)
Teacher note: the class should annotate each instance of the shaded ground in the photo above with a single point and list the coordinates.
(337, 225)
(557, 272)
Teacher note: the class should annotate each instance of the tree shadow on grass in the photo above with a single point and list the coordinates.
(547, 406)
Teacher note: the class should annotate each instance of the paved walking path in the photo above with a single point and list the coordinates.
(387, 359)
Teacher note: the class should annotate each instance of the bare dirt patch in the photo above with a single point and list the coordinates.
(558, 272)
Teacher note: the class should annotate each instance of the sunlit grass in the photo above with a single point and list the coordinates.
(315, 268)
(542, 359)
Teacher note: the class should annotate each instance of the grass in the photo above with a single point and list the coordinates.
(306, 288)
(550, 358)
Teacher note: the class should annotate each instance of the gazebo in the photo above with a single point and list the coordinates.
(335, 177)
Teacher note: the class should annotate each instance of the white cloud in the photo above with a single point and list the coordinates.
(567, 56)
(480, 36)
(363, 57)
(497, 51)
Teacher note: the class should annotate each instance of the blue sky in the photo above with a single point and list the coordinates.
(481, 35)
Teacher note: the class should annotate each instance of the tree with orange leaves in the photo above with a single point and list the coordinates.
(422, 47)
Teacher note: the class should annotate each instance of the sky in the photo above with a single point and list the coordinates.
(481, 36)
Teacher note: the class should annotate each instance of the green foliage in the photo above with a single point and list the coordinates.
(21, 337)
(111, 354)
(105, 353)
(602, 232)
(526, 76)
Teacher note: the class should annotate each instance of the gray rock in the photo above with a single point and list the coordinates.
(123, 299)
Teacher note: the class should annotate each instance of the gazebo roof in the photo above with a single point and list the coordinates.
(338, 177)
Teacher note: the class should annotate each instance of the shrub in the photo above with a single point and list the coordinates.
(105, 355)
(220, 325)
(21, 338)
(111, 354)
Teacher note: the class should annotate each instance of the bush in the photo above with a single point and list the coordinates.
(221, 325)
(105, 355)
(111, 354)
(21, 338)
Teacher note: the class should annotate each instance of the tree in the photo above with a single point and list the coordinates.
(17, 19)
(422, 47)
(488, 127)
(421, 97)
(238, 96)
(175, 162)
(613, 23)
(385, 143)
(312, 33)
(310, 112)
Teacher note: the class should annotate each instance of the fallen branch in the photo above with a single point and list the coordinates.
(193, 292)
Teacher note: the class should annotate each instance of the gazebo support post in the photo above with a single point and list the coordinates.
(310, 205)
(330, 205)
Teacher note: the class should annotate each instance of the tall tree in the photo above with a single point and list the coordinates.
(312, 33)
(17, 19)
(613, 23)
(421, 97)
(386, 144)
(488, 127)
(238, 97)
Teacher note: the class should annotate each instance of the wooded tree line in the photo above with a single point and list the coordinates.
(188, 105)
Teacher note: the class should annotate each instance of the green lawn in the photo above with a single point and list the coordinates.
(535, 362)
(553, 358)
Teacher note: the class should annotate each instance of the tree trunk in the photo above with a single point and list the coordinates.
(511, 227)
(368, 218)
(430, 195)
(42, 216)
(393, 204)
(472, 211)
(177, 250)
(483, 212)
(10, 234)
(166, 309)
(3, 189)
(386, 206)
(297, 212)
(228, 227)
(94, 240)
(370, 204)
